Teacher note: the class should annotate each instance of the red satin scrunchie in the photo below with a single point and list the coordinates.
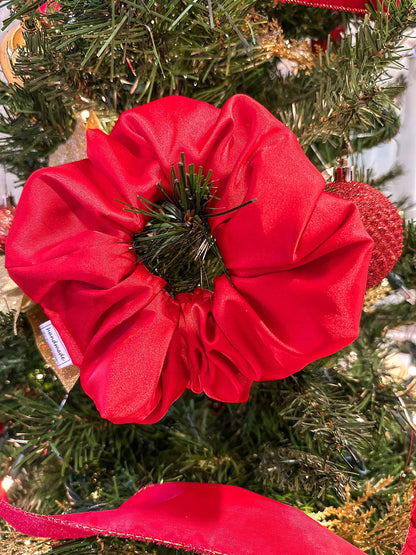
(297, 258)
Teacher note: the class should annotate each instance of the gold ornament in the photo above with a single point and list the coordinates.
(294, 54)
(8, 51)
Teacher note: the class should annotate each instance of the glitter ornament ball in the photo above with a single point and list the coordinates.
(381, 220)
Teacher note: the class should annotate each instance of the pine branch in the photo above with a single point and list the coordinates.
(348, 92)
(176, 242)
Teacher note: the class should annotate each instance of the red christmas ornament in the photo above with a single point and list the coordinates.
(6, 218)
(381, 220)
(49, 6)
(335, 36)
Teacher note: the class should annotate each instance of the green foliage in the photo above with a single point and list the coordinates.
(406, 266)
(349, 93)
(34, 124)
(176, 243)
(113, 55)
(301, 21)
(19, 358)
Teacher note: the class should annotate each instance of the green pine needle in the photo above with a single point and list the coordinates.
(177, 244)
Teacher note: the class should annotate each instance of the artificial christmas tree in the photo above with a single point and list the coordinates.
(343, 420)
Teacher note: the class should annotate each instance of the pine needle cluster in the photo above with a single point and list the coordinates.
(177, 243)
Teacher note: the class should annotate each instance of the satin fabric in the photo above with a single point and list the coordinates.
(297, 258)
(206, 518)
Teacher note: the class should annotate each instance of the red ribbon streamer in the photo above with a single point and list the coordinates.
(355, 6)
(206, 518)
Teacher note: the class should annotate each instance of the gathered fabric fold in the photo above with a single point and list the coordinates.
(297, 259)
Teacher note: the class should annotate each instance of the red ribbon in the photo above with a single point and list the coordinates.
(206, 518)
(355, 6)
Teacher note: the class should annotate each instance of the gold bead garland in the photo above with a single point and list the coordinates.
(375, 294)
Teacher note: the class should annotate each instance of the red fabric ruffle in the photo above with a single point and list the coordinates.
(297, 258)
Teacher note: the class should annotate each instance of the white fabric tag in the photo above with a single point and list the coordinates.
(56, 345)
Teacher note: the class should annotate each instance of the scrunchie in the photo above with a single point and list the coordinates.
(297, 259)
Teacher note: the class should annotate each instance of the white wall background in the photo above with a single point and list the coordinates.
(405, 184)
(401, 150)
